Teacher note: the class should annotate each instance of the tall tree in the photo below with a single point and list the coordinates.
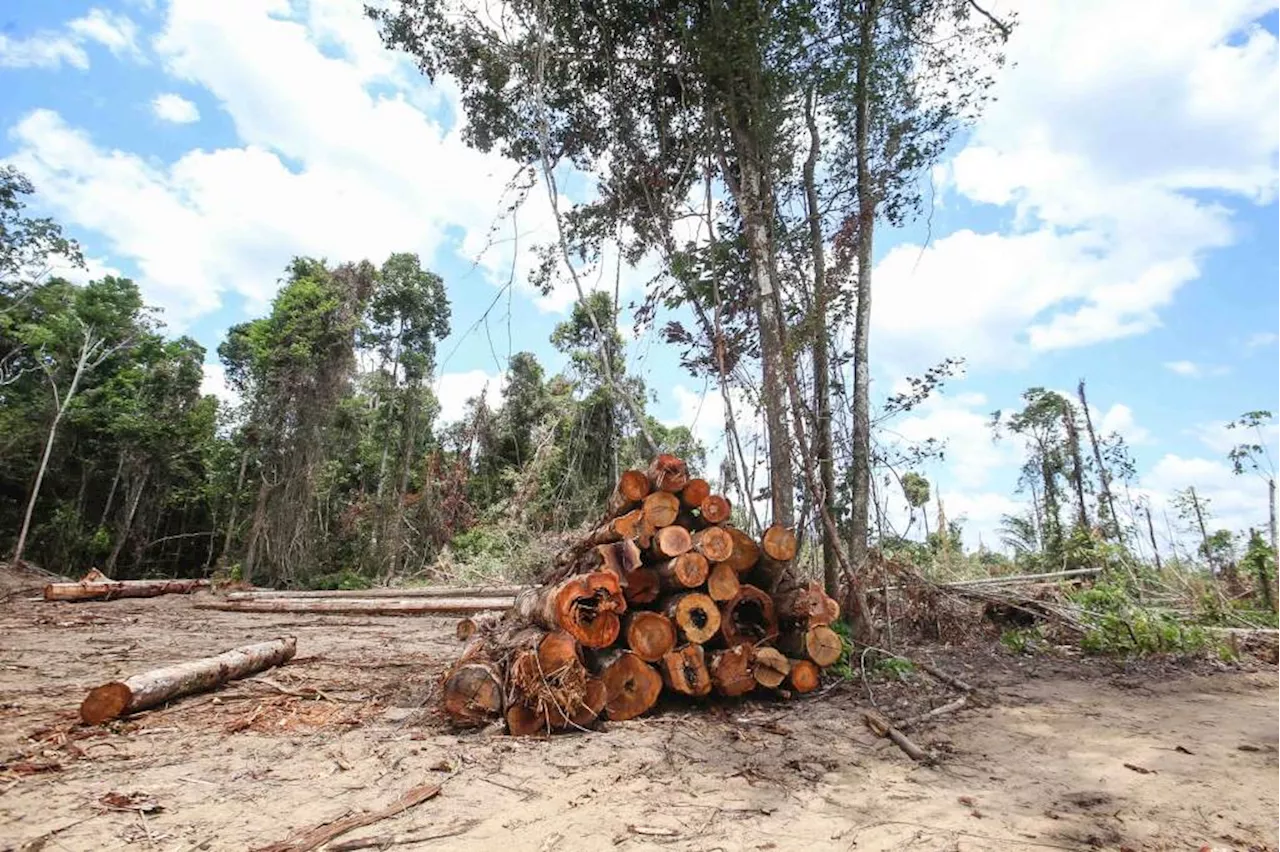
(1253, 455)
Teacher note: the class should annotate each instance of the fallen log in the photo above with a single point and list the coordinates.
(769, 666)
(686, 571)
(632, 487)
(806, 606)
(631, 686)
(819, 644)
(731, 673)
(588, 606)
(715, 509)
(150, 689)
(472, 688)
(722, 582)
(779, 543)
(804, 676)
(684, 670)
(670, 541)
(411, 592)
(649, 635)
(660, 509)
(624, 526)
(105, 590)
(748, 617)
(746, 553)
(361, 606)
(473, 624)
(620, 557)
(694, 492)
(642, 586)
(668, 473)
(882, 727)
(714, 543)
(314, 838)
(695, 616)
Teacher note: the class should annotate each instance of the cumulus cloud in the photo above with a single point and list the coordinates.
(51, 49)
(452, 391)
(1192, 370)
(174, 108)
(114, 31)
(214, 383)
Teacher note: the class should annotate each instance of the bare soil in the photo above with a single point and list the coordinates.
(1050, 753)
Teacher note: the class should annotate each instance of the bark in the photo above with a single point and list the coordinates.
(484, 622)
(695, 492)
(255, 531)
(804, 676)
(1077, 464)
(722, 582)
(715, 509)
(649, 635)
(632, 487)
(685, 671)
(731, 671)
(670, 541)
(1271, 514)
(883, 728)
(235, 505)
(819, 644)
(587, 606)
(661, 508)
(631, 686)
(1204, 532)
(806, 606)
(714, 543)
(1104, 475)
(686, 571)
(748, 617)
(667, 473)
(770, 666)
(111, 492)
(106, 590)
(746, 553)
(696, 616)
(411, 592)
(367, 606)
(140, 692)
(642, 586)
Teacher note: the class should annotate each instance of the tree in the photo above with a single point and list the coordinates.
(27, 244)
(1192, 508)
(1254, 456)
(915, 488)
(1106, 500)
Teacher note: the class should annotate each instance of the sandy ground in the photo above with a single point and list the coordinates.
(1050, 754)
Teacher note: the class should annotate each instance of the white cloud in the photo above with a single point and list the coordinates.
(114, 31)
(214, 382)
(1260, 339)
(1096, 139)
(1220, 439)
(1192, 370)
(174, 108)
(42, 50)
(1119, 419)
(1235, 503)
(452, 390)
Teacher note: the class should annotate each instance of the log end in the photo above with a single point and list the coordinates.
(672, 541)
(668, 473)
(472, 694)
(823, 645)
(106, 702)
(696, 616)
(731, 671)
(631, 686)
(779, 543)
(685, 671)
(695, 492)
(769, 667)
(633, 486)
(642, 586)
(650, 635)
(661, 508)
(804, 676)
(722, 582)
(714, 543)
(716, 509)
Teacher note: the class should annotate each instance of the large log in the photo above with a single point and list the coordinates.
(546, 676)
(588, 606)
(472, 688)
(694, 492)
(105, 590)
(746, 553)
(684, 670)
(695, 615)
(819, 643)
(715, 509)
(633, 486)
(150, 689)
(624, 526)
(670, 541)
(779, 543)
(631, 686)
(769, 666)
(722, 582)
(686, 571)
(714, 543)
(649, 635)
(806, 606)
(731, 671)
(620, 557)
(748, 617)
(667, 473)
(358, 606)
(409, 592)
(642, 586)
(660, 509)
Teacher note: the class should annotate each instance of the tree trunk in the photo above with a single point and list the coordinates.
(1104, 475)
(111, 492)
(660, 509)
(123, 535)
(649, 635)
(105, 590)
(642, 586)
(731, 671)
(1271, 514)
(412, 592)
(779, 543)
(686, 571)
(722, 582)
(140, 692)
(671, 541)
(472, 688)
(1077, 464)
(365, 606)
(713, 543)
(685, 671)
(694, 493)
(1151, 531)
(44, 466)
(745, 554)
(770, 666)
(819, 644)
(1204, 532)
(804, 676)
(632, 487)
(255, 531)
(715, 509)
(668, 473)
(587, 606)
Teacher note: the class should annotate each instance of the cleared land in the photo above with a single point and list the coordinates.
(1052, 753)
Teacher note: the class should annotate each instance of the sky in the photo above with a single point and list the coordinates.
(1112, 216)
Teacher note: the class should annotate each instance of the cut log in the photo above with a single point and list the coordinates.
(731, 673)
(620, 557)
(150, 689)
(714, 543)
(631, 687)
(525, 721)
(359, 606)
(684, 670)
(769, 666)
(806, 606)
(592, 704)
(694, 492)
(804, 676)
(715, 509)
(616, 529)
(479, 623)
(819, 643)
(633, 486)
(670, 541)
(557, 652)
(409, 592)
(695, 615)
(642, 586)
(588, 606)
(686, 571)
(649, 635)
(746, 553)
(748, 617)
(105, 590)
(779, 543)
(722, 582)
(668, 473)
(472, 688)
(660, 509)
(882, 727)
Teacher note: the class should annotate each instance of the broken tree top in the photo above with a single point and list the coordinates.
(663, 594)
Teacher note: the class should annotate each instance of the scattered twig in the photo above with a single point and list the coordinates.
(949, 707)
(949, 680)
(313, 838)
(882, 727)
(384, 841)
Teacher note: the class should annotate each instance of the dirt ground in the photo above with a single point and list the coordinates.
(1051, 753)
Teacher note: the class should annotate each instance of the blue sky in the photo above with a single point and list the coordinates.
(1113, 215)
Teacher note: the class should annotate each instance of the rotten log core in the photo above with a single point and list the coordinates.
(587, 606)
(649, 635)
(696, 616)
(684, 670)
(748, 617)
(631, 687)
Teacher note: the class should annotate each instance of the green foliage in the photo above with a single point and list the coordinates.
(340, 580)
(1116, 625)
(915, 488)
(1022, 640)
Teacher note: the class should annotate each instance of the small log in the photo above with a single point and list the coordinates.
(479, 623)
(631, 686)
(714, 543)
(769, 666)
(620, 557)
(746, 553)
(731, 673)
(360, 606)
(644, 533)
(804, 676)
(649, 635)
(949, 707)
(806, 606)
(684, 670)
(558, 651)
(642, 586)
(949, 680)
(716, 509)
(592, 704)
(722, 582)
(694, 492)
(686, 571)
(696, 616)
(668, 473)
(819, 643)
(633, 486)
(408, 592)
(748, 617)
(150, 689)
(586, 605)
(106, 590)
(882, 727)
(670, 541)
(779, 543)
(660, 509)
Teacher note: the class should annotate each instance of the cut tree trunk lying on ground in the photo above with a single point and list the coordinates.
(105, 590)
(358, 606)
(150, 689)
(722, 583)
(731, 671)
(649, 635)
(633, 486)
(684, 670)
(631, 686)
(819, 643)
(341, 594)
(472, 688)
(668, 473)
(769, 666)
(588, 606)
(696, 616)
(748, 617)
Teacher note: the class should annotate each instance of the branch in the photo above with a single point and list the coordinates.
(1005, 29)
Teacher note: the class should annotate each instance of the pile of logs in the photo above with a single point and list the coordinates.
(664, 594)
